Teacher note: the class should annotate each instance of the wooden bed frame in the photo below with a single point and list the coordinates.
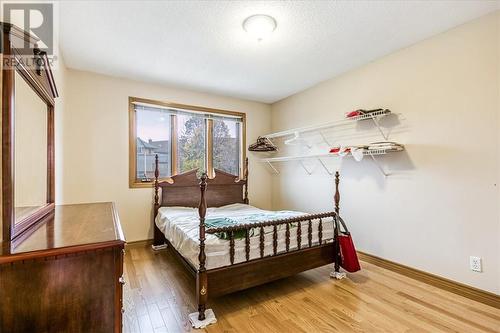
(187, 190)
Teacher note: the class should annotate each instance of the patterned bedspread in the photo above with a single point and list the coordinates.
(252, 218)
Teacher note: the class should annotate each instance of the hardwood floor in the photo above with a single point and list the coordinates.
(159, 295)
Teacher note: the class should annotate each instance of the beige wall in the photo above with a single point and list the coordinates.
(441, 204)
(93, 145)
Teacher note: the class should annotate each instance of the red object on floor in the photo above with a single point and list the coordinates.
(350, 260)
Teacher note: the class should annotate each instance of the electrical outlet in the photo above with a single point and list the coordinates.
(475, 264)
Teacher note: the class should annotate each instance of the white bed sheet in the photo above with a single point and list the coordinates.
(180, 225)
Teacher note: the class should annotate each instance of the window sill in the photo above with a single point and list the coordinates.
(151, 184)
(141, 185)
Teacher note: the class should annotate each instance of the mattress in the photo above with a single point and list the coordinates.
(180, 225)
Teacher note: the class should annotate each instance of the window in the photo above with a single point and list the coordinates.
(184, 138)
(153, 137)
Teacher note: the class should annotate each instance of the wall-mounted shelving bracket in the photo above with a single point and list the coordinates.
(325, 167)
(379, 167)
(375, 121)
(272, 167)
(309, 172)
(324, 139)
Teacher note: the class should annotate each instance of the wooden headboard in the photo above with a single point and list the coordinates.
(184, 189)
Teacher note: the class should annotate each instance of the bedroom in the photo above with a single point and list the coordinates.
(267, 101)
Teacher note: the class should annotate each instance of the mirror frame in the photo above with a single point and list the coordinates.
(42, 83)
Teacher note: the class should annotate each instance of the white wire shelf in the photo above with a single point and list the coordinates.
(373, 116)
(325, 155)
(368, 152)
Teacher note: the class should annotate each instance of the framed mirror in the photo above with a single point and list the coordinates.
(31, 193)
(28, 93)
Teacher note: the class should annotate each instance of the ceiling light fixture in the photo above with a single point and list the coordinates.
(259, 26)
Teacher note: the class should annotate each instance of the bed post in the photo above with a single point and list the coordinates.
(245, 174)
(157, 198)
(201, 276)
(336, 273)
(336, 197)
(159, 238)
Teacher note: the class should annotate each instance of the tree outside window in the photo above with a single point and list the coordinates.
(191, 134)
(226, 146)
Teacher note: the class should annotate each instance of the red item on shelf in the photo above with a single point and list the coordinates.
(353, 114)
(350, 260)
(336, 150)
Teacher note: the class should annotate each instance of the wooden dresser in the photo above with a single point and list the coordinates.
(66, 275)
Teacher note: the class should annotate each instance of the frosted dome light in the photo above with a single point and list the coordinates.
(259, 26)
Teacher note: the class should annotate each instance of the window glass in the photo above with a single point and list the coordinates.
(180, 137)
(227, 145)
(191, 134)
(153, 137)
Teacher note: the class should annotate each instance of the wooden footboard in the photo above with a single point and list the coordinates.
(249, 274)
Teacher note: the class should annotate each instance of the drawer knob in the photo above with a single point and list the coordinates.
(121, 280)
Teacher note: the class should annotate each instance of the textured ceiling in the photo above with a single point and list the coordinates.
(202, 46)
